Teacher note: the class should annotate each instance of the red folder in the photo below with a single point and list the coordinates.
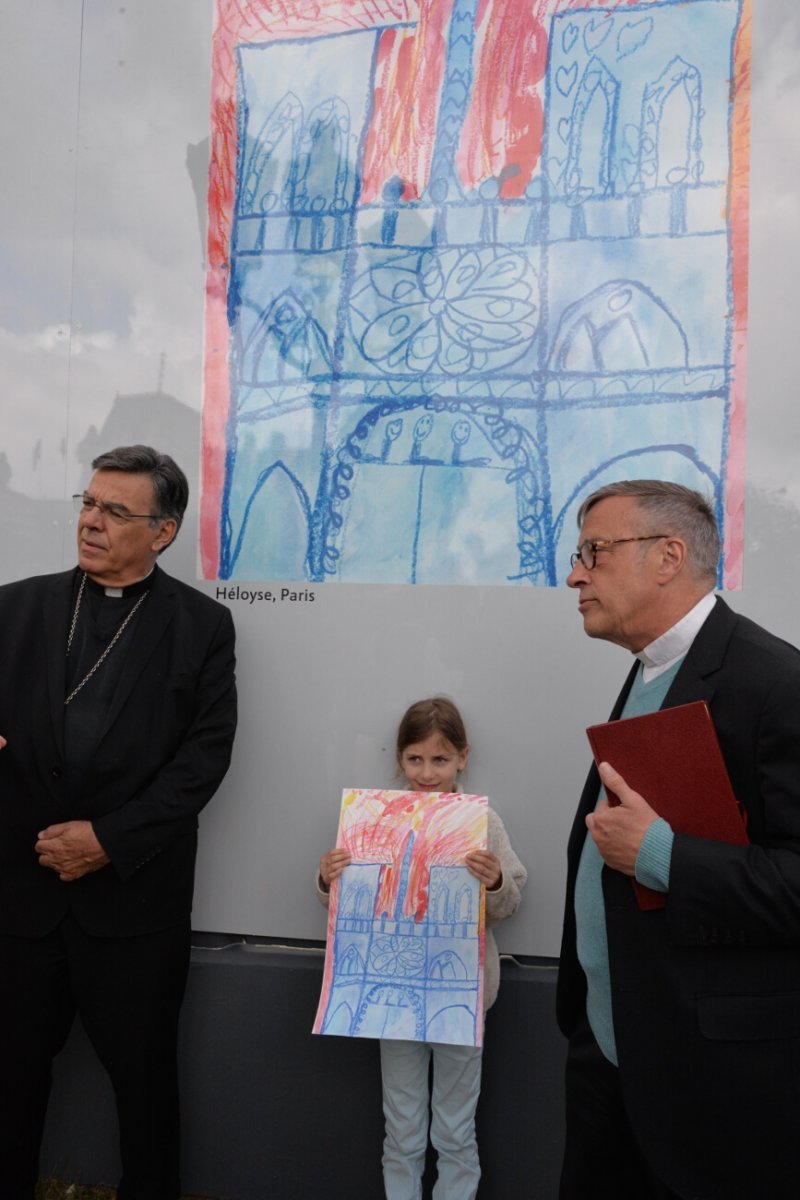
(672, 758)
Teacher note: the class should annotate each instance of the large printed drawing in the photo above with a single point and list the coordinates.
(468, 260)
(404, 956)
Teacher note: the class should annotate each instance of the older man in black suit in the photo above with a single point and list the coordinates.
(118, 710)
(683, 1070)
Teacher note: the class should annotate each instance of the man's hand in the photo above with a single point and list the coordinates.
(618, 831)
(71, 850)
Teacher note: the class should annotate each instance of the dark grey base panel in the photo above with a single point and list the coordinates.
(271, 1112)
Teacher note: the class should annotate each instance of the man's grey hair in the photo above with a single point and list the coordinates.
(170, 486)
(674, 510)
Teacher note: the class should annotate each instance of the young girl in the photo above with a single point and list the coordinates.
(432, 749)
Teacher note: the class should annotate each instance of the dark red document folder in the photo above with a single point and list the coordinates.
(672, 758)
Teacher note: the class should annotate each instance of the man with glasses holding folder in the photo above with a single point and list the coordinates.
(683, 1067)
(118, 711)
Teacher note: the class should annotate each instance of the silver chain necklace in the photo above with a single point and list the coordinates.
(110, 645)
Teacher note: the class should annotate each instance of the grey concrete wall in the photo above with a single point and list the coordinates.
(272, 1113)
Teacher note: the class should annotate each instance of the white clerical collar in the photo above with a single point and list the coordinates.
(673, 644)
(118, 591)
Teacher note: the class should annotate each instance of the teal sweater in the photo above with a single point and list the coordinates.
(652, 869)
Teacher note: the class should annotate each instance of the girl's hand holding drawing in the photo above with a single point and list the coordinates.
(332, 864)
(485, 866)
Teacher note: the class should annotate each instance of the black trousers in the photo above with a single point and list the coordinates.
(128, 992)
(602, 1158)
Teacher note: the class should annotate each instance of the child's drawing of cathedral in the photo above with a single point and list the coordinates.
(405, 946)
(469, 261)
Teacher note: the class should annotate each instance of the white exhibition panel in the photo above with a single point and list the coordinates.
(105, 153)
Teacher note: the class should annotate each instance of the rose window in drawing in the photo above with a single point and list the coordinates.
(397, 955)
(455, 311)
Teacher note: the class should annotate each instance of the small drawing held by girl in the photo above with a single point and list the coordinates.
(432, 749)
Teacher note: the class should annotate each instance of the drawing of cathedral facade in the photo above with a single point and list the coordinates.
(397, 977)
(424, 388)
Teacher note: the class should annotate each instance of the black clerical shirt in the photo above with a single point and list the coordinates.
(99, 618)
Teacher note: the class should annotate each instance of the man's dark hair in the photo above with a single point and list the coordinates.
(170, 486)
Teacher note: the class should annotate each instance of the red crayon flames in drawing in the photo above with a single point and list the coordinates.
(440, 836)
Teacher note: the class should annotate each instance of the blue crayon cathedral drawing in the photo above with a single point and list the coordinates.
(396, 977)
(424, 385)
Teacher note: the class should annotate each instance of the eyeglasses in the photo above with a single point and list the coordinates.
(587, 552)
(84, 503)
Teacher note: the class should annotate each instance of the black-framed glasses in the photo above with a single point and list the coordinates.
(83, 502)
(587, 551)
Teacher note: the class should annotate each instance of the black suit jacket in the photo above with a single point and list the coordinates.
(706, 992)
(163, 750)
